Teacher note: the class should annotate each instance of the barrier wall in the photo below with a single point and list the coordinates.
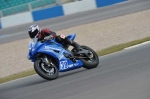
(66, 9)
(48, 13)
(16, 19)
(79, 6)
(102, 3)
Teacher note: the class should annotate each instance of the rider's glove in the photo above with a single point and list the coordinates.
(48, 37)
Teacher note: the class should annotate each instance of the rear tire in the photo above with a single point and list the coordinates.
(91, 62)
(45, 72)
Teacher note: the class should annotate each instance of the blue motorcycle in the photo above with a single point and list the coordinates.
(51, 57)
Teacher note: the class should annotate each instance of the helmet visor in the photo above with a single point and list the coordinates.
(33, 34)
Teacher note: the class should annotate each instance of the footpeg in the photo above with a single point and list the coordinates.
(70, 57)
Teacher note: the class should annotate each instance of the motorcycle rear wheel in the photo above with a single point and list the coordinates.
(92, 62)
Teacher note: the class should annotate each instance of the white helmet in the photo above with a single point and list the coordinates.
(33, 30)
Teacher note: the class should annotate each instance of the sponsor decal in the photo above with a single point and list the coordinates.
(62, 36)
(48, 47)
(61, 56)
(64, 65)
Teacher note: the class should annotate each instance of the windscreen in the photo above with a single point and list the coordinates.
(32, 43)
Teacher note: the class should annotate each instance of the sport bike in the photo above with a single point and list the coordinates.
(51, 57)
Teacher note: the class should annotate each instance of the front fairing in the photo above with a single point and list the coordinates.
(55, 50)
(48, 47)
(33, 44)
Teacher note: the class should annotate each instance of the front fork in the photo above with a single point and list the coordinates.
(47, 61)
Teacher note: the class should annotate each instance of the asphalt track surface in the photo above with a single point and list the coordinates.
(122, 75)
(20, 32)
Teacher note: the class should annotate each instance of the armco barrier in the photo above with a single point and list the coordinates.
(101, 3)
(47, 13)
(0, 25)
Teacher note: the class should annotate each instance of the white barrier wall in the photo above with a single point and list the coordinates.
(79, 6)
(60, 10)
(17, 19)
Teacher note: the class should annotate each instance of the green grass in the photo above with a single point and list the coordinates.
(106, 51)
(16, 76)
(120, 47)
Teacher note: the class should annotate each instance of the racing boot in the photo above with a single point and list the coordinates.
(74, 44)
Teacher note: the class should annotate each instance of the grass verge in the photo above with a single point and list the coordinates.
(17, 75)
(120, 47)
(106, 51)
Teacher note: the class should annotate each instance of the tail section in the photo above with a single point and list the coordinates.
(71, 36)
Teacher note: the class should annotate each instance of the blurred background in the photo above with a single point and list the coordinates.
(18, 12)
(10, 7)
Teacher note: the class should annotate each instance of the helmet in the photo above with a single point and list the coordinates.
(33, 30)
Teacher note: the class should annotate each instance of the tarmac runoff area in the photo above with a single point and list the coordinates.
(97, 35)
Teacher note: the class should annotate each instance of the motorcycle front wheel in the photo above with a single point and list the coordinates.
(46, 72)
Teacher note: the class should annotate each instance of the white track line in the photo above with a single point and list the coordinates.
(138, 45)
(3, 36)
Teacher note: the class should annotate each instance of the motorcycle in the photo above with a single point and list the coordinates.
(51, 57)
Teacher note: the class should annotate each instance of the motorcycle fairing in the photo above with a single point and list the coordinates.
(55, 50)
(66, 65)
(50, 48)
(71, 36)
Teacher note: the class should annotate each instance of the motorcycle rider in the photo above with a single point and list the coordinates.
(34, 31)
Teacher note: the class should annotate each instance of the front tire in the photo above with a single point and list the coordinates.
(92, 62)
(48, 73)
